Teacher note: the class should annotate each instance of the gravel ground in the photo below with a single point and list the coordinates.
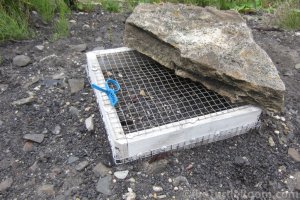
(47, 152)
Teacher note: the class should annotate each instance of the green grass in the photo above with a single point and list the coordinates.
(61, 26)
(111, 5)
(13, 21)
(288, 15)
(46, 8)
(86, 6)
(14, 14)
(14, 17)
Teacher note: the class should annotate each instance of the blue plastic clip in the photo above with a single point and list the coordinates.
(111, 93)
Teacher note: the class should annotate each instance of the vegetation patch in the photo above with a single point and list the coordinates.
(288, 15)
(15, 14)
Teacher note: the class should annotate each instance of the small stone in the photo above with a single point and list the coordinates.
(276, 132)
(56, 130)
(282, 119)
(297, 33)
(27, 146)
(76, 85)
(294, 153)
(82, 165)
(277, 117)
(241, 161)
(72, 21)
(87, 109)
(271, 142)
(34, 137)
(3, 88)
(86, 27)
(121, 174)
(46, 189)
(31, 82)
(297, 66)
(104, 185)
(282, 169)
(21, 60)
(180, 180)
(98, 48)
(163, 196)
(101, 170)
(4, 185)
(157, 189)
(39, 47)
(175, 188)
(170, 180)
(59, 76)
(131, 180)
(293, 182)
(48, 83)
(99, 39)
(156, 167)
(72, 159)
(74, 111)
(34, 166)
(79, 47)
(190, 166)
(120, 75)
(23, 101)
(130, 195)
(89, 123)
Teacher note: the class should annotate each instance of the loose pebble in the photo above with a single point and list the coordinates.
(21, 60)
(6, 184)
(130, 195)
(101, 170)
(89, 123)
(38, 138)
(46, 189)
(121, 174)
(104, 185)
(271, 142)
(276, 132)
(82, 165)
(180, 180)
(157, 189)
(294, 153)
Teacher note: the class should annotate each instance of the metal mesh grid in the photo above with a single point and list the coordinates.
(152, 96)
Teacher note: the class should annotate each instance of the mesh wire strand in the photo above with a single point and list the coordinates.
(152, 96)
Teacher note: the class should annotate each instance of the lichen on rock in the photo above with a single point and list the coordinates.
(210, 46)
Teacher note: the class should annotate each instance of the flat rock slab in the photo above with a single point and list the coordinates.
(76, 85)
(34, 137)
(104, 185)
(210, 46)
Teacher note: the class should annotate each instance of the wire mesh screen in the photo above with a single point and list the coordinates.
(151, 95)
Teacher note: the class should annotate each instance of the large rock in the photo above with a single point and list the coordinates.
(207, 45)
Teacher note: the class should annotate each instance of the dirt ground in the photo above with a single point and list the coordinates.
(69, 161)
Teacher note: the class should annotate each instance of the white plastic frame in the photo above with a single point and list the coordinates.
(182, 134)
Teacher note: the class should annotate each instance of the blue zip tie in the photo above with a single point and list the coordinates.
(111, 93)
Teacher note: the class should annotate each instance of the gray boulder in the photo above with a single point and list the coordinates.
(21, 60)
(210, 46)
